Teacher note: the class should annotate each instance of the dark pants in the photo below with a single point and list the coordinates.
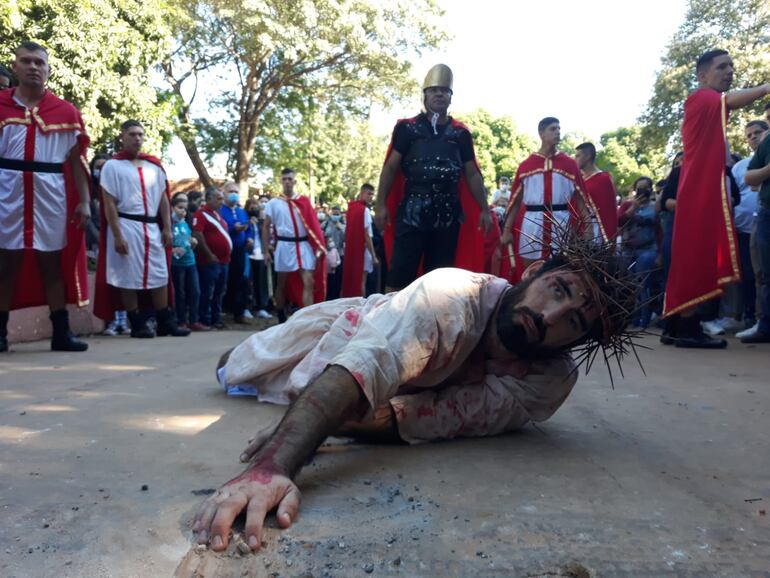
(259, 294)
(237, 295)
(334, 282)
(643, 265)
(213, 279)
(434, 248)
(763, 245)
(187, 293)
(748, 285)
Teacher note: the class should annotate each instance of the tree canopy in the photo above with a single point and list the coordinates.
(102, 55)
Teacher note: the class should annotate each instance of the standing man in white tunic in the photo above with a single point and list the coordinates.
(136, 205)
(296, 247)
(44, 200)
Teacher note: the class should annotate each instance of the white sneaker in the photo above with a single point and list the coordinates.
(247, 314)
(111, 329)
(712, 328)
(729, 324)
(262, 314)
(748, 332)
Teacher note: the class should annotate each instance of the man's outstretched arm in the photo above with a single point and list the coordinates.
(328, 402)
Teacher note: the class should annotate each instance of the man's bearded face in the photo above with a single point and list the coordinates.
(546, 314)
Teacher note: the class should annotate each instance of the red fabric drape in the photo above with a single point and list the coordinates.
(704, 254)
(315, 236)
(355, 246)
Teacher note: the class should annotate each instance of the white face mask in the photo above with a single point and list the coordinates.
(321, 216)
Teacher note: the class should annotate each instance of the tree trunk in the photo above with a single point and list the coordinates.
(195, 158)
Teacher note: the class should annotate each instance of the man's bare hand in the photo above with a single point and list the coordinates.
(506, 238)
(258, 440)
(485, 222)
(258, 491)
(269, 255)
(381, 217)
(82, 214)
(167, 238)
(121, 246)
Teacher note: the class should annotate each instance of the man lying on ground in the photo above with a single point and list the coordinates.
(453, 354)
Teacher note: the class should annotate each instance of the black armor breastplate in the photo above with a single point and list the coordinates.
(432, 168)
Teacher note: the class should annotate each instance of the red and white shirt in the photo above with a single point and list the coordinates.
(214, 230)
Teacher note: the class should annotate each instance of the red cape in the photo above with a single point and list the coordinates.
(315, 236)
(470, 243)
(355, 246)
(492, 246)
(704, 251)
(601, 190)
(106, 297)
(53, 114)
(511, 264)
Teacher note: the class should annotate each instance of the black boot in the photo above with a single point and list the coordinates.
(167, 324)
(140, 328)
(668, 337)
(3, 331)
(690, 335)
(63, 339)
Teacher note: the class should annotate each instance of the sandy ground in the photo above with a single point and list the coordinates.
(665, 475)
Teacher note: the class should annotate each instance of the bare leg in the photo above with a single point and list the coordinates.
(280, 290)
(130, 299)
(49, 265)
(159, 297)
(308, 283)
(10, 264)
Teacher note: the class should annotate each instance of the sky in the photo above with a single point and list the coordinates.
(592, 64)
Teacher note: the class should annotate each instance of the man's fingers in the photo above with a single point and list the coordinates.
(255, 520)
(288, 508)
(227, 511)
(202, 522)
(252, 448)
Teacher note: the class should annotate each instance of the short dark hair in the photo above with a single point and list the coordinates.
(705, 59)
(210, 191)
(367, 186)
(288, 171)
(661, 183)
(98, 157)
(5, 72)
(760, 123)
(648, 179)
(130, 124)
(588, 148)
(177, 196)
(31, 46)
(546, 122)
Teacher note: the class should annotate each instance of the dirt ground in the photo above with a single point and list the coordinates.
(104, 457)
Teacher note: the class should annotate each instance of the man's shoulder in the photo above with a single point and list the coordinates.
(565, 162)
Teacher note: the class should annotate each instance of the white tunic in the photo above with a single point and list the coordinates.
(531, 235)
(47, 221)
(368, 263)
(137, 190)
(289, 255)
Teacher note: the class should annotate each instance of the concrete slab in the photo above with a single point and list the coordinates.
(664, 476)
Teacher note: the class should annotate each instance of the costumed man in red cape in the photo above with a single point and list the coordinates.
(431, 201)
(360, 258)
(44, 200)
(298, 256)
(601, 191)
(135, 239)
(704, 253)
(548, 199)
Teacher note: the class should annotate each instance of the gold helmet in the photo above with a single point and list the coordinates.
(438, 75)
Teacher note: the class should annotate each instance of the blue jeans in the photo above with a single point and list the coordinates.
(644, 264)
(213, 279)
(763, 245)
(187, 293)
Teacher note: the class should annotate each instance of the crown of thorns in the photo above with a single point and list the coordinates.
(614, 287)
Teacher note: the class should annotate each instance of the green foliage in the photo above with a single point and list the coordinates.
(741, 27)
(102, 54)
(571, 140)
(350, 52)
(627, 156)
(332, 152)
(500, 147)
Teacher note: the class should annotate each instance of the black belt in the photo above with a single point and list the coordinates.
(549, 208)
(140, 218)
(31, 166)
(291, 239)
